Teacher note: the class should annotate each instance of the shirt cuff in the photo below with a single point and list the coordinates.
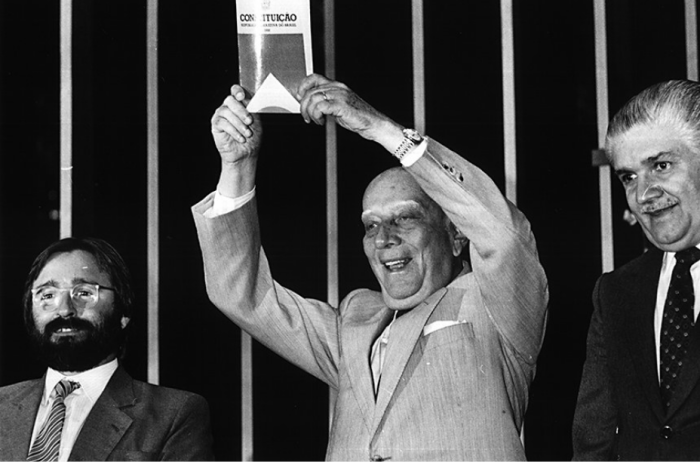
(411, 157)
(223, 205)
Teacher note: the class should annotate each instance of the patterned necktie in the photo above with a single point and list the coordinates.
(678, 321)
(48, 440)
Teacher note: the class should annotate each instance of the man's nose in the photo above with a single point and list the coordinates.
(66, 307)
(647, 190)
(386, 236)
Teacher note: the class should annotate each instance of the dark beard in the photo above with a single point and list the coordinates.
(71, 354)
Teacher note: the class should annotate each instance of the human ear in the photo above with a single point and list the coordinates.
(125, 322)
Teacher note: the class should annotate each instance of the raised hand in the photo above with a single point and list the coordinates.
(237, 135)
(321, 97)
(236, 132)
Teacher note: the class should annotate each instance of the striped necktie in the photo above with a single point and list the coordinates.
(48, 441)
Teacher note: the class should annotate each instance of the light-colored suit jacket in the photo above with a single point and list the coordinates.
(458, 366)
(131, 420)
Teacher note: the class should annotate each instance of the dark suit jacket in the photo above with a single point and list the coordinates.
(131, 420)
(619, 413)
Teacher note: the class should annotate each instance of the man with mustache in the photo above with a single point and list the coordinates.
(435, 366)
(639, 397)
(77, 308)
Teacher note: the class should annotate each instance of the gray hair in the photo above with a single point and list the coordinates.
(674, 102)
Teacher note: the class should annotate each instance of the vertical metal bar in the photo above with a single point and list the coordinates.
(419, 118)
(247, 449)
(605, 190)
(508, 88)
(691, 39)
(332, 213)
(331, 181)
(246, 397)
(508, 70)
(331, 164)
(66, 142)
(153, 197)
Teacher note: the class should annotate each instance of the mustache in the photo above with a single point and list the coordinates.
(658, 205)
(69, 323)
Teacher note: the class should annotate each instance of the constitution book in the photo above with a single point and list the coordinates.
(274, 51)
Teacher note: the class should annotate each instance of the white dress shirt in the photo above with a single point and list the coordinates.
(669, 262)
(378, 353)
(78, 404)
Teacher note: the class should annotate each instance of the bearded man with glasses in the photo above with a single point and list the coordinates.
(77, 309)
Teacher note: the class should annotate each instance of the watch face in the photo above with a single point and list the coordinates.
(412, 135)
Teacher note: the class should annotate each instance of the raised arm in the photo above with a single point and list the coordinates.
(238, 278)
(502, 250)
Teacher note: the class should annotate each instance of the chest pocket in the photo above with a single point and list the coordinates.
(444, 335)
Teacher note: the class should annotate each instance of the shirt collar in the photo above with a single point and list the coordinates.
(668, 259)
(92, 382)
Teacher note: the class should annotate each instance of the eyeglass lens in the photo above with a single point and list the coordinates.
(82, 295)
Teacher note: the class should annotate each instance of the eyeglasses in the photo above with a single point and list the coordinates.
(83, 295)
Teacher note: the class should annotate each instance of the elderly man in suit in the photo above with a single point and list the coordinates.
(438, 364)
(77, 304)
(639, 396)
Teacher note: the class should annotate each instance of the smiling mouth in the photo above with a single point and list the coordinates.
(396, 265)
(66, 330)
(655, 211)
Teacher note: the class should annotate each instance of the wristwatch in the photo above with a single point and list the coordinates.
(411, 139)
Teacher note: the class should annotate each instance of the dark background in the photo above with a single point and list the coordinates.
(557, 186)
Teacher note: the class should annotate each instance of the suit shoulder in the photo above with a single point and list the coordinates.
(645, 262)
(167, 396)
(13, 391)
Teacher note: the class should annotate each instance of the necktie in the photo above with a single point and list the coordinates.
(48, 440)
(678, 321)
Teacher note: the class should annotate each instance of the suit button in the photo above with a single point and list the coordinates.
(666, 432)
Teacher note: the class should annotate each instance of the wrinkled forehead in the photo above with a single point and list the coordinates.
(391, 208)
(394, 186)
(645, 141)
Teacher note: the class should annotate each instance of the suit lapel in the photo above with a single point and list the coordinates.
(18, 423)
(403, 337)
(357, 340)
(107, 422)
(639, 300)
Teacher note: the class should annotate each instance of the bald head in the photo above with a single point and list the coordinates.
(396, 183)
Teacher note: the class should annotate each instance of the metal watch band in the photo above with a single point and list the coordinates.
(411, 139)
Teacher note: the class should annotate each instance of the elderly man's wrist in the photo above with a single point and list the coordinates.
(237, 178)
(388, 135)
